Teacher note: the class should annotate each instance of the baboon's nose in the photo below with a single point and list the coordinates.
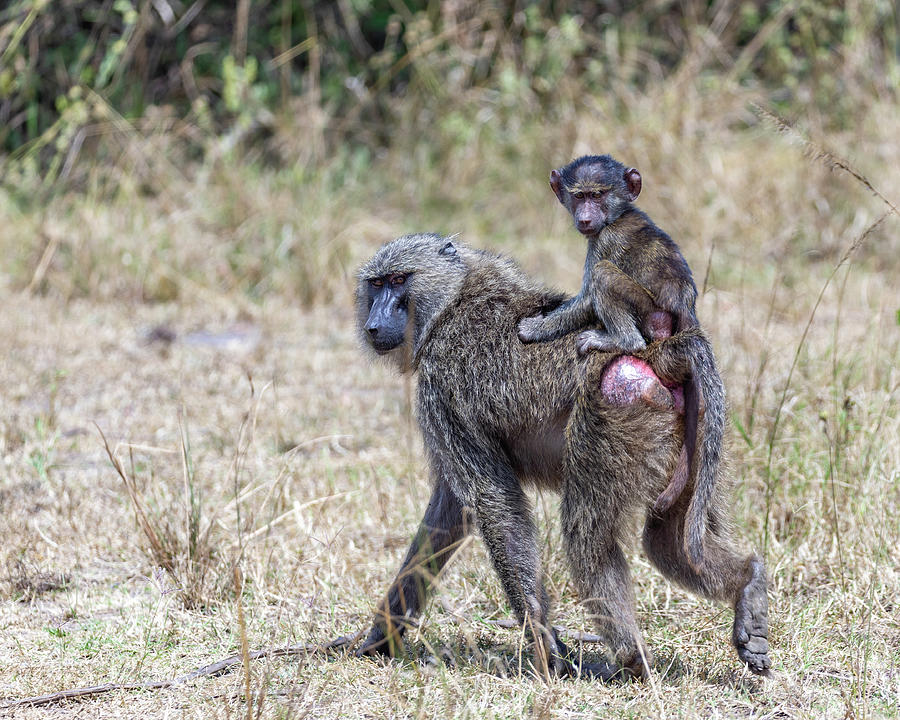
(373, 331)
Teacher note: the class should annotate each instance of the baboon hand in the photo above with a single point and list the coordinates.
(530, 328)
(376, 645)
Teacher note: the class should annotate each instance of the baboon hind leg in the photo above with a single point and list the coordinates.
(615, 455)
(604, 584)
(724, 575)
(591, 510)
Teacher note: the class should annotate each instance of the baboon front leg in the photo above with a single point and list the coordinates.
(445, 524)
(725, 576)
(611, 458)
(505, 520)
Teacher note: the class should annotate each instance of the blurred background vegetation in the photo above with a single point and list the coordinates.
(73, 66)
(280, 132)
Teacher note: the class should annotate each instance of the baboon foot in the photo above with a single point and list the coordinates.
(549, 651)
(530, 328)
(608, 672)
(604, 671)
(751, 621)
(593, 340)
(558, 664)
(628, 379)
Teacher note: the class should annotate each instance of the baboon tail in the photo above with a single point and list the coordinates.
(704, 400)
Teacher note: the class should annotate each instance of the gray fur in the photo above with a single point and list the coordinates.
(497, 415)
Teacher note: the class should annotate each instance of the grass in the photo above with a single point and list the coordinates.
(260, 445)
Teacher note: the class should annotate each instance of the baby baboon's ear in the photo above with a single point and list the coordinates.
(556, 184)
(633, 183)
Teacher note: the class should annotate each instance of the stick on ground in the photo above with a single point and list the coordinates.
(216, 668)
(223, 666)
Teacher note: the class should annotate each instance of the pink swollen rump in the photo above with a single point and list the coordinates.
(628, 379)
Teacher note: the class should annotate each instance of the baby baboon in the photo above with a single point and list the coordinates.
(497, 415)
(639, 286)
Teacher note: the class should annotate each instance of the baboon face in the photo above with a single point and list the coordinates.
(401, 288)
(595, 189)
(388, 303)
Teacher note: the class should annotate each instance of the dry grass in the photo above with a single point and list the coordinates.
(260, 439)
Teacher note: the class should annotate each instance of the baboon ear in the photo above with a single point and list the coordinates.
(448, 249)
(557, 186)
(633, 182)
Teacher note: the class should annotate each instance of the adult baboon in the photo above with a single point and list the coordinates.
(497, 415)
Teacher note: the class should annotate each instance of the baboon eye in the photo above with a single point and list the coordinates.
(596, 195)
(376, 282)
(398, 280)
(579, 195)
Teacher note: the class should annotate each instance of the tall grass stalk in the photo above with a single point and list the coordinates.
(816, 152)
(773, 433)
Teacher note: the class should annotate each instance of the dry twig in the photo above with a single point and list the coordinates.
(216, 668)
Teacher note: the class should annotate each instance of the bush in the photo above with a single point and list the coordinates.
(76, 64)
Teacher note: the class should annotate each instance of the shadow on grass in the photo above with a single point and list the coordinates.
(491, 655)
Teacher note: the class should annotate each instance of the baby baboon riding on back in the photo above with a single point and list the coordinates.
(639, 286)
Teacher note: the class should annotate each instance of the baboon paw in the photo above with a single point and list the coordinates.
(576, 667)
(607, 672)
(751, 622)
(371, 651)
(558, 666)
(529, 328)
(589, 341)
(594, 341)
(603, 671)
(756, 655)
(376, 645)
